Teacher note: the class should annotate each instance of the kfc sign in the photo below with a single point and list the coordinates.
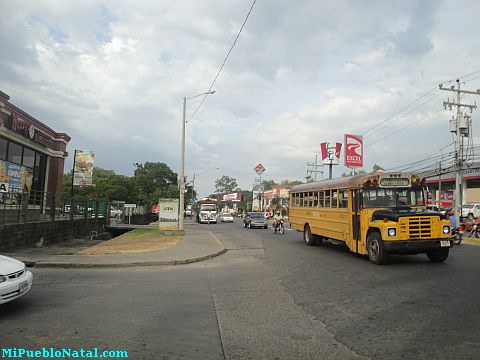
(353, 150)
(330, 153)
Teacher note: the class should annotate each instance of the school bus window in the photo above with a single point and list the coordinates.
(321, 198)
(315, 199)
(310, 201)
(327, 198)
(342, 199)
(334, 198)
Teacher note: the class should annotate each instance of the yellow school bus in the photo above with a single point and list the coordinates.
(373, 214)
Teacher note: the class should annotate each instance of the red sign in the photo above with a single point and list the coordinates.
(330, 153)
(353, 150)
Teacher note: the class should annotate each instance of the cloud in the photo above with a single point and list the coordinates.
(113, 76)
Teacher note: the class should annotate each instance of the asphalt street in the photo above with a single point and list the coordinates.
(269, 297)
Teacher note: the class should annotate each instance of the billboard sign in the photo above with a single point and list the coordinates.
(353, 150)
(330, 153)
(259, 169)
(235, 197)
(168, 214)
(83, 169)
(14, 178)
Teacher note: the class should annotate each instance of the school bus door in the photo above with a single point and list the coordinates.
(355, 221)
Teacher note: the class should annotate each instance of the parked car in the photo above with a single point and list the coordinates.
(15, 279)
(470, 211)
(226, 218)
(254, 220)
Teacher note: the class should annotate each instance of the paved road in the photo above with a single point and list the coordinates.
(268, 297)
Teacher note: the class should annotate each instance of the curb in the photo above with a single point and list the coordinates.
(71, 265)
(470, 241)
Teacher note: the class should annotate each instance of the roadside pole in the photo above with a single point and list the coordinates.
(461, 127)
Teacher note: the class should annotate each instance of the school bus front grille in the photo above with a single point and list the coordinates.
(418, 227)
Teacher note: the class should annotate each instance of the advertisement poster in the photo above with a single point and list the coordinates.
(14, 178)
(353, 150)
(234, 197)
(83, 167)
(168, 214)
(330, 153)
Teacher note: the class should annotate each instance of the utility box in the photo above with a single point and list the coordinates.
(463, 126)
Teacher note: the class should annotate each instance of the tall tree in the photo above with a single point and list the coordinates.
(291, 182)
(154, 181)
(225, 184)
(268, 184)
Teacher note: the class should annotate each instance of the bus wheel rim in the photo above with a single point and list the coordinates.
(374, 248)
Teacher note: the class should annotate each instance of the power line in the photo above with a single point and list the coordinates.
(398, 112)
(433, 154)
(224, 61)
(406, 127)
(407, 113)
(422, 100)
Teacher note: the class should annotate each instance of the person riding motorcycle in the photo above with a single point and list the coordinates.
(277, 219)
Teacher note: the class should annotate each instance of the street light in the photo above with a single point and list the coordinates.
(182, 160)
(203, 172)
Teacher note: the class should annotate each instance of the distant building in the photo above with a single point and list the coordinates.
(32, 155)
(441, 187)
(277, 199)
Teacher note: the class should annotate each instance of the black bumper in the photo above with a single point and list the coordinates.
(415, 246)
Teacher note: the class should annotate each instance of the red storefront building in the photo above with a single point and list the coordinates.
(32, 155)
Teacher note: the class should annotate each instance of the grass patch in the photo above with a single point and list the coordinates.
(137, 241)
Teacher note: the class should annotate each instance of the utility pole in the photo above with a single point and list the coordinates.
(459, 126)
(439, 185)
(314, 170)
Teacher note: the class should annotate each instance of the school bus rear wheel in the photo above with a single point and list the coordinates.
(376, 249)
(309, 238)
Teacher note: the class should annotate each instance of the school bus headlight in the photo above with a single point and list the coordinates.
(446, 229)
(392, 232)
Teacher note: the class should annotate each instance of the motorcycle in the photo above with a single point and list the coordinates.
(278, 226)
(474, 232)
(458, 233)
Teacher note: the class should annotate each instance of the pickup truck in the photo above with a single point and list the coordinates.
(470, 211)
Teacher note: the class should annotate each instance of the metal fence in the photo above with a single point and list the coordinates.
(36, 206)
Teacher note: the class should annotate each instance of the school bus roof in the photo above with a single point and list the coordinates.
(356, 182)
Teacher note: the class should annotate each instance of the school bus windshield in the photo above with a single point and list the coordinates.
(392, 198)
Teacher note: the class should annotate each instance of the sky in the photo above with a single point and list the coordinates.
(113, 75)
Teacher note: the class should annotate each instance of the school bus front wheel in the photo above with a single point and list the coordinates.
(376, 249)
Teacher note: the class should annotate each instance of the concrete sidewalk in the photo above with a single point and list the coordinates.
(197, 244)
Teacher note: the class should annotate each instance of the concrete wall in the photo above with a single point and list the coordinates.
(13, 236)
